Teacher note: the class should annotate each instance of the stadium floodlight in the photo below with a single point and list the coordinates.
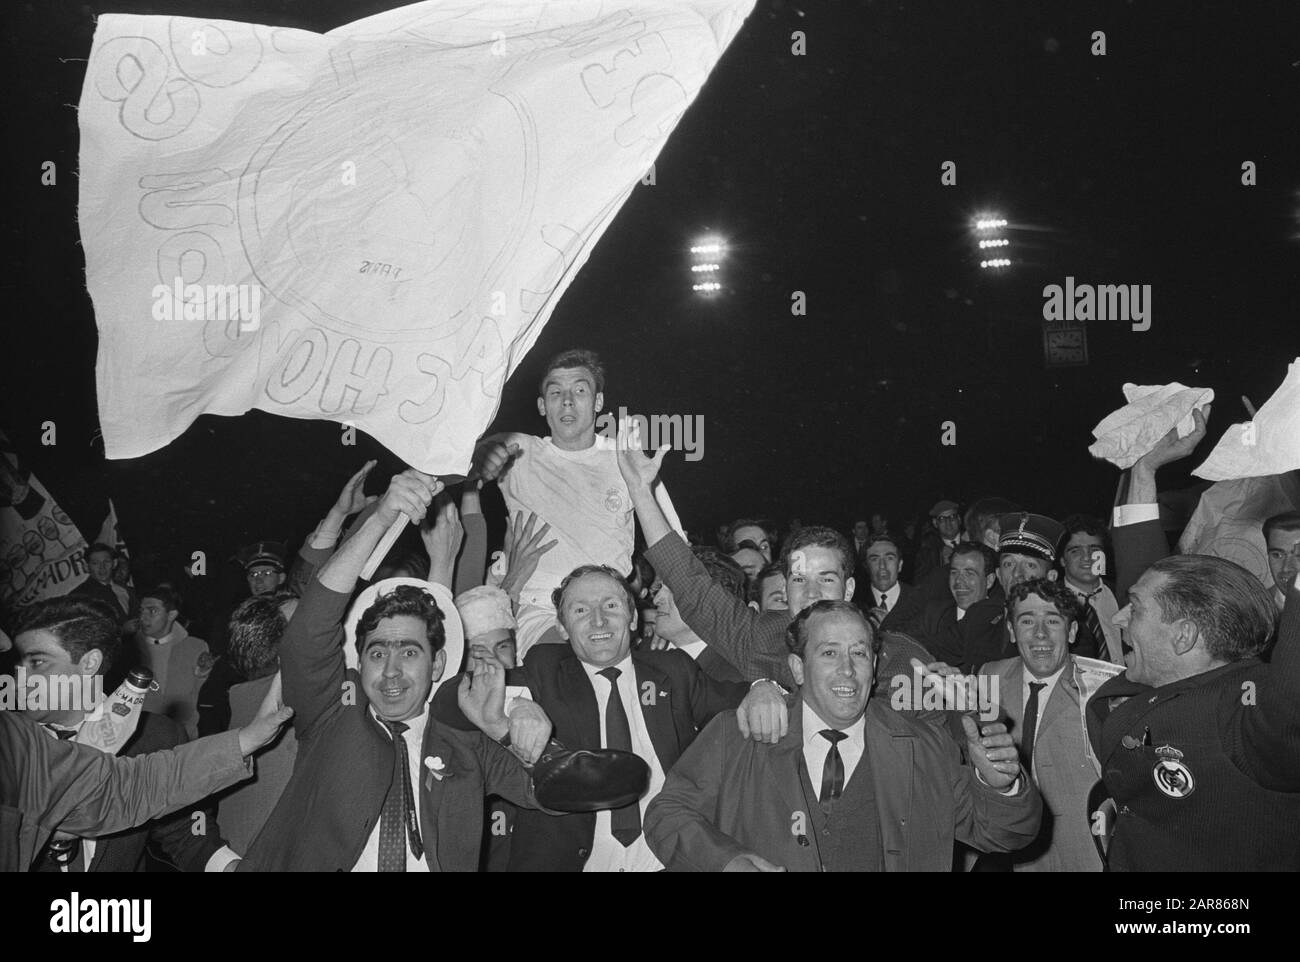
(996, 262)
(706, 287)
(990, 223)
(707, 254)
(1002, 242)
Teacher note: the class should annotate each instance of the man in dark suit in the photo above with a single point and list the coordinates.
(1197, 740)
(599, 693)
(365, 795)
(72, 637)
(965, 629)
(890, 603)
(877, 791)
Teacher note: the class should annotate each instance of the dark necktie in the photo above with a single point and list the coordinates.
(1092, 621)
(833, 770)
(625, 822)
(1031, 725)
(398, 821)
(884, 601)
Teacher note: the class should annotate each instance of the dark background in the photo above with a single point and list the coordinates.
(823, 173)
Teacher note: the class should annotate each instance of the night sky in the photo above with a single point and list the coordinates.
(823, 172)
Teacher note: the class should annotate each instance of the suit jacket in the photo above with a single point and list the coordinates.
(730, 795)
(677, 699)
(1062, 771)
(344, 766)
(48, 784)
(909, 605)
(979, 637)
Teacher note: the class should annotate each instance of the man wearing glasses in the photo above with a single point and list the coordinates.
(937, 545)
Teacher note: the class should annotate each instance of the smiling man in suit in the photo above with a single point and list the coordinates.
(601, 694)
(852, 786)
(1039, 691)
(378, 785)
(890, 603)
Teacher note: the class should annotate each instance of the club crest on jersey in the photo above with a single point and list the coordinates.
(1170, 774)
(613, 501)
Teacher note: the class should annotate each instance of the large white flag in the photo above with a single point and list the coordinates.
(370, 225)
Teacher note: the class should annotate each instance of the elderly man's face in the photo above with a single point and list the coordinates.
(1042, 634)
(496, 646)
(398, 667)
(595, 619)
(967, 579)
(835, 673)
(1284, 557)
(816, 574)
(1153, 660)
(947, 524)
(1015, 568)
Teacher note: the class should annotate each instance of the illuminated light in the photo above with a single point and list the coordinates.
(706, 267)
(710, 247)
(990, 223)
(707, 286)
(994, 243)
(996, 262)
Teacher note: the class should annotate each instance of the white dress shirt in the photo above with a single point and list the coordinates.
(607, 852)
(414, 737)
(1044, 696)
(1126, 514)
(891, 596)
(816, 748)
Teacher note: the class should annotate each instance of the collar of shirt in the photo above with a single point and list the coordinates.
(892, 594)
(414, 735)
(1085, 593)
(1050, 681)
(624, 667)
(175, 633)
(813, 726)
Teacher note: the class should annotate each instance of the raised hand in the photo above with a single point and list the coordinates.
(992, 752)
(1171, 447)
(482, 698)
(491, 459)
(408, 493)
(523, 550)
(639, 472)
(749, 862)
(353, 496)
(443, 539)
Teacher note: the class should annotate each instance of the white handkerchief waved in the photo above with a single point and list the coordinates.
(1152, 410)
(1270, 444)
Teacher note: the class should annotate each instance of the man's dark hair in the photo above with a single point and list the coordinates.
(575, 357)
(874, 539)
(165, 593)
(98, 547)
(986, 513)
(256, 628)
(769, 529)
(1085, 523)
(1053, 592)
(80, 624)
(755, 593)
(1286, 521)
(818, 537)
(723, 570)
(404, 600)
(976, 547)
(557, 596)
(796, 634)
(1227, 603)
